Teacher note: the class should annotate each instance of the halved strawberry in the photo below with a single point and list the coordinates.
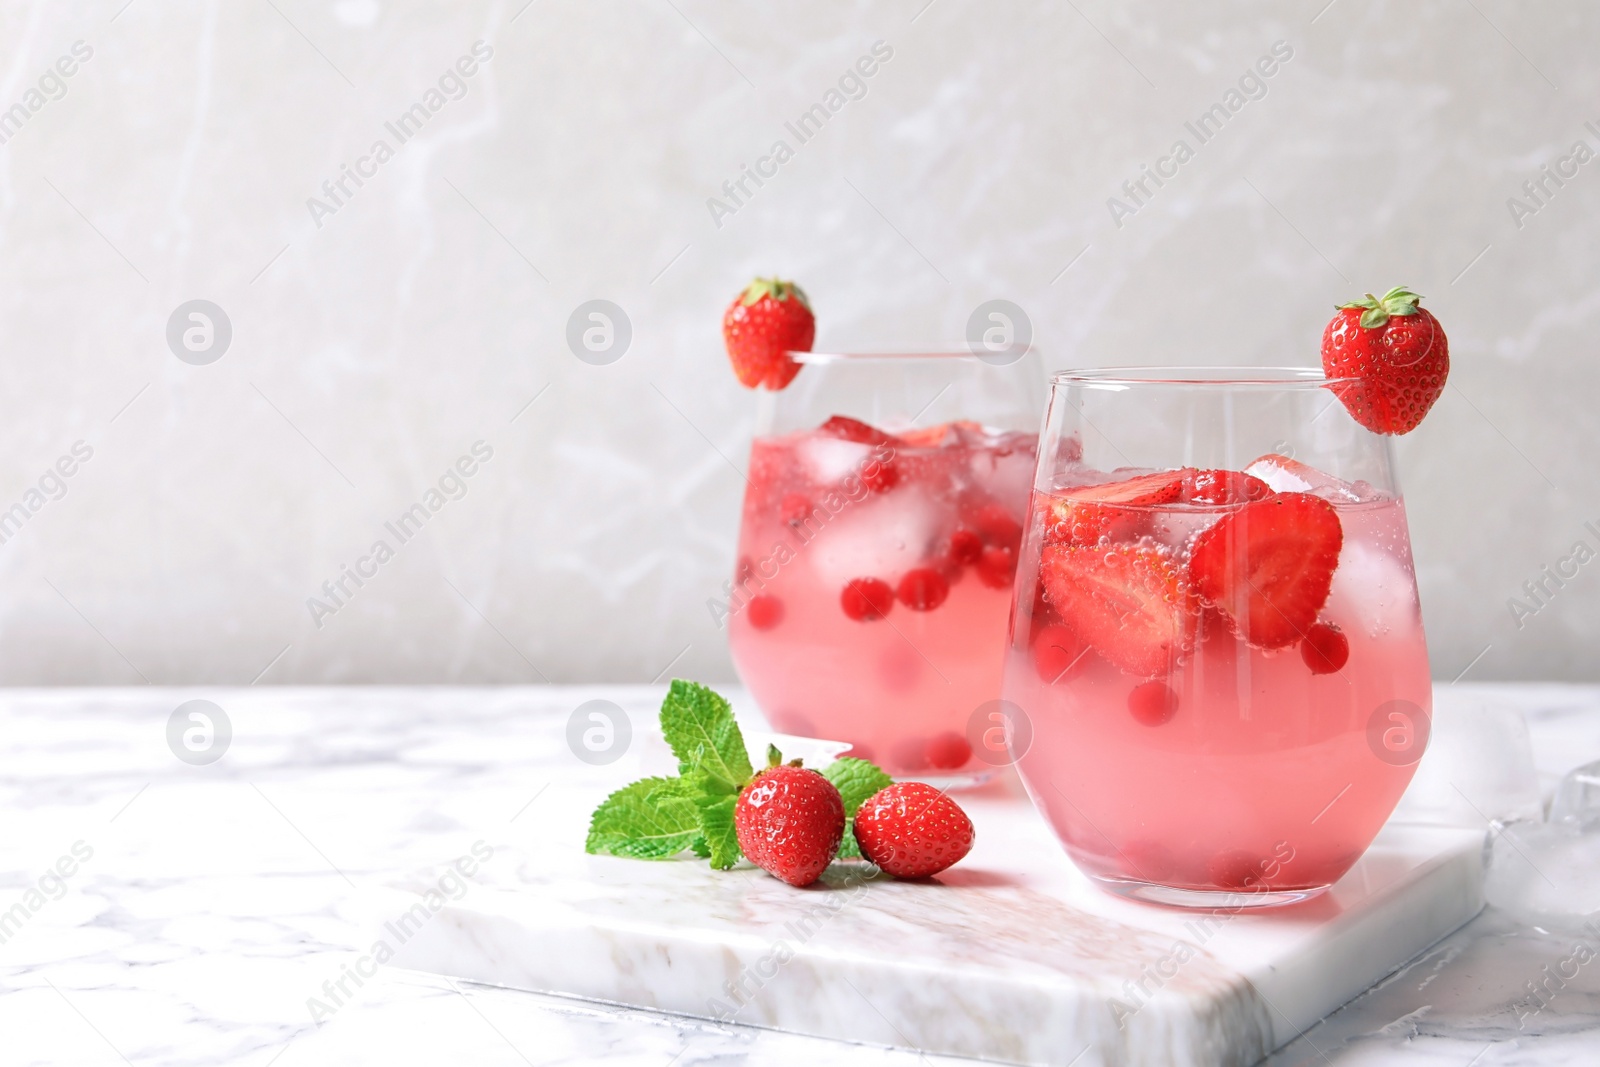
(1268, 566)
(1127, 601)
(944, 434)
(1084, 515)
(1223, 487)
(843, 426)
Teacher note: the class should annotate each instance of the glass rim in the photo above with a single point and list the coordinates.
(872, 357)
(1226, 376)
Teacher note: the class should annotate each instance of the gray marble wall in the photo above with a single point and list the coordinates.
(380, 333)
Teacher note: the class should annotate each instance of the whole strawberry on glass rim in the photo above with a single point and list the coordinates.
(766, 322)
(1397, 354)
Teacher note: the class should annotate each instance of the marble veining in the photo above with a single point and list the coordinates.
(220, 900)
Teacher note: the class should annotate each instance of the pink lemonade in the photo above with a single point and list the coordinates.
(873, 589)
(1209, 712)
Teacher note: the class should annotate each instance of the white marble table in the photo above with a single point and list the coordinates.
(157, 912)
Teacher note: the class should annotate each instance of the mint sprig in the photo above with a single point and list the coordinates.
(652, 819)
(856, 780)
(698, 723)
(660, 818)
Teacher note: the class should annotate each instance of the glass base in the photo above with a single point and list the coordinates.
(1228, 900)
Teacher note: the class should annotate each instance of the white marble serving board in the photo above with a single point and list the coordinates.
(1011, 956)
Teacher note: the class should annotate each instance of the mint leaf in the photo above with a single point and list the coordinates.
(698, 724)
(716, 822)
(856, 780)
(651, 819)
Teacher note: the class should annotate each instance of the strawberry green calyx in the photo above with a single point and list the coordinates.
(774, 757)
(1376, 311)
(774, 287)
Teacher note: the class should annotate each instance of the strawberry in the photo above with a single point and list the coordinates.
(848, 429)
(1083, 516)
(789, 821)
(1268, 566)
(1222, 487)
(912, 830)
(1397, 354)
(1127, 602)
(766, 322)
(940, 436)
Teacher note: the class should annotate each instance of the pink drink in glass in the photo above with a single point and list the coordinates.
(1202, 733)
(873, 588)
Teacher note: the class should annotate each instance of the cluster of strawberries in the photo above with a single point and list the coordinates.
(790, 821)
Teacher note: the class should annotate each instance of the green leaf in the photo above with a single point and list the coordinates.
(699, 725)
(651, 819)
(716, 822)
(776, 288)
(856, 780)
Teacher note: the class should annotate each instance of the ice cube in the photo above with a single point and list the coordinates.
(1577, 802)
(1003, 475)
(1177, 527)
(1538, 870)
(878, 537)
(1478, 768)
(827, 460)
(1371, 588)
(1287, 475)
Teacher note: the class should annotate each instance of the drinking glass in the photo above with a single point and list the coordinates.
(1217, 684)
(877, 547)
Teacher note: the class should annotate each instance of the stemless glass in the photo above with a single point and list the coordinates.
(877, 549)
(1217, 642)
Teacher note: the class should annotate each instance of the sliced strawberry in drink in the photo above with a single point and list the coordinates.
(1223, 487)
(880, 476)
(1268, 566)
(1127, 601)
(1115, 511)
(846, 428)
(941, 436)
